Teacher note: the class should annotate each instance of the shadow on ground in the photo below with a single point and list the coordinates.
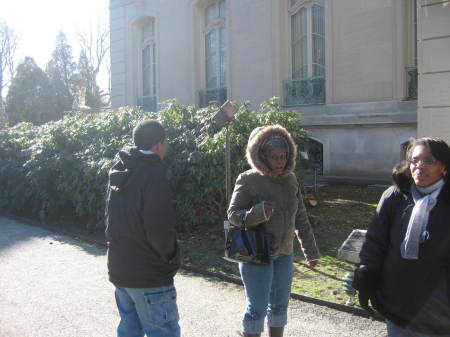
(12, 236)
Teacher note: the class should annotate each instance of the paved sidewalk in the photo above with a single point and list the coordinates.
(51, 285)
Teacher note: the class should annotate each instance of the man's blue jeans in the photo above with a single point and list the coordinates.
(394, 330)
(150, 311)
(267, 288)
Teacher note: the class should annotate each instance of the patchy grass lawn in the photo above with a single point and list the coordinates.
(340, 210)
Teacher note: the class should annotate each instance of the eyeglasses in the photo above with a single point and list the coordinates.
(425, 162)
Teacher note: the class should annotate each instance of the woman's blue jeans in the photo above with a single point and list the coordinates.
(150, 311)
(267, 288)
(394, 330)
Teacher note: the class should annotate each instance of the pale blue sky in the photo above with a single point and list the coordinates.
(37, 22)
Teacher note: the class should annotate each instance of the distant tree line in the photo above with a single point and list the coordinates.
(8, 45)
(40, 95)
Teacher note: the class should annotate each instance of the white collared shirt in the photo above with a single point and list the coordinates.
(146, 152)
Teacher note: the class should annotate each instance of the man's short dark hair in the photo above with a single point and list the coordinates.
(148, 133)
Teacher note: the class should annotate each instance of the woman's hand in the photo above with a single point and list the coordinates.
(312, 263)
(269, 207)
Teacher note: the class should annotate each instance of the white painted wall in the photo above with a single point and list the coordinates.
(363, 53)
(434, 69)
(367, 49)
(352, 151)
(251, 46)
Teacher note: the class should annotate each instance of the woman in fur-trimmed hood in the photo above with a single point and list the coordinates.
(268, 197)
(259, 140)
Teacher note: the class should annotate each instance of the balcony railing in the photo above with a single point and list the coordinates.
(304, 91)
(411, 83)
(147, 103)
(212, 96)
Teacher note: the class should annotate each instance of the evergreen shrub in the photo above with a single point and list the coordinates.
(60, 168)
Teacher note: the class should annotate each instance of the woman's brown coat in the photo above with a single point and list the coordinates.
(257, 185)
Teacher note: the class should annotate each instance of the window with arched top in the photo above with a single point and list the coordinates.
(307, 85)
(148, 59)
(147, 64)
(215, 38)
(312, 156)
(215, 45)
(411, 49)
(314, 149)
(311, 163)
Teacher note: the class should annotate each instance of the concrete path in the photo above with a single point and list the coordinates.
(52, 285)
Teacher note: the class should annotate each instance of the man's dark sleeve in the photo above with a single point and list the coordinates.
(159, 217)
(376, 244)
(367, 275)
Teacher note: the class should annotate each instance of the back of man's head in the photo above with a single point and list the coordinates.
(147, 134)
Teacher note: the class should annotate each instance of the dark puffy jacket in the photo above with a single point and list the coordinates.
(413, 293)
(140, 223)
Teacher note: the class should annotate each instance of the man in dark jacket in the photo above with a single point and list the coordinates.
(143, 253)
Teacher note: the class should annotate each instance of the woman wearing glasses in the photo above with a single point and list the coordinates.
(405, 260)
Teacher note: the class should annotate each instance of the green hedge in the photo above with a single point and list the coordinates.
(60, 168)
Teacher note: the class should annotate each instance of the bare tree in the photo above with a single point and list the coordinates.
(107, 96)
(8, 46)
(94, 44)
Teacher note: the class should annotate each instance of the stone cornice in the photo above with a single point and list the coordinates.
(367, 113)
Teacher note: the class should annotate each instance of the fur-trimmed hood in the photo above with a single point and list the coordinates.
(255, 141)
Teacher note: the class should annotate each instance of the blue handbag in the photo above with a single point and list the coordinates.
(247, 245)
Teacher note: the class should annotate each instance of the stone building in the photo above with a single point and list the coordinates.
(350, 66)
(434, 68)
